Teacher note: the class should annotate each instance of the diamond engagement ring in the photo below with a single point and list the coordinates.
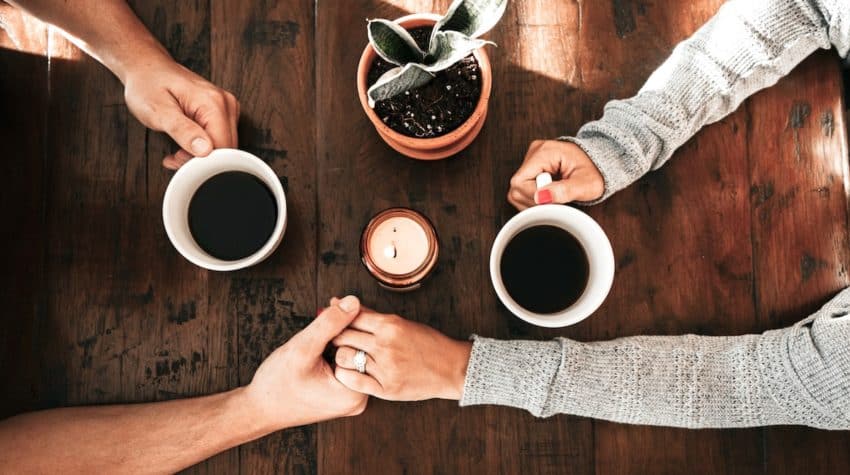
(360, 361)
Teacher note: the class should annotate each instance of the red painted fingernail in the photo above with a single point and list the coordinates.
(544, 197)
(319, 312)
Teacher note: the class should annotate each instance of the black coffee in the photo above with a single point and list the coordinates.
(544, 269)
(232, 215)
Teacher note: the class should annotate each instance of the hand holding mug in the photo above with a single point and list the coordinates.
(168, 97)
(295, 386)
(405, 360)
(577, 177)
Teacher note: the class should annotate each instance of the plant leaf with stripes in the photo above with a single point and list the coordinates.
(393, 43)
(397, 81)
(473, 18)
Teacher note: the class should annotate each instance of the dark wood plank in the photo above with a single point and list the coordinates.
(263, 52)
(798, 166)
(359, 176)
(23, 108)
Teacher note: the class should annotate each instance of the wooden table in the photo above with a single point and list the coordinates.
(745, 230)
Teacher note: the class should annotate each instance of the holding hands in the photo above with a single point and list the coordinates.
(405, 360)
(576, 177)
(295, 386)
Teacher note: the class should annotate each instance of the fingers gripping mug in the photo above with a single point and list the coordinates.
(551, 265)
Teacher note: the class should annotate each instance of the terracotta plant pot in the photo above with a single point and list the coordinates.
(429, 148)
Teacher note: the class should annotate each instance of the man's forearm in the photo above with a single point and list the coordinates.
(138, 438)
(114, 36)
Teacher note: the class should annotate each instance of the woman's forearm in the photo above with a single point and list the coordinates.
(108, 30)
(797, 375)
(746, 47)
(138, 438)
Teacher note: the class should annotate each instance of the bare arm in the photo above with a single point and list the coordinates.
(162, 94)
(139, 438)
(293, 387)
(113, 34)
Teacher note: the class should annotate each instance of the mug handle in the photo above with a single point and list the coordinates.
(543, 179)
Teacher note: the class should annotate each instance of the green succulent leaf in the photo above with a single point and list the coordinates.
(449, 47)
(393, 43)
(397, 81)
(473, 18)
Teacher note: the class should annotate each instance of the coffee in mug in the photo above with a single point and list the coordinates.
(225, 211)
(548, 288)
(232, 215)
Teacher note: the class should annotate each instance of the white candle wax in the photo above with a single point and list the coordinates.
(399, 245)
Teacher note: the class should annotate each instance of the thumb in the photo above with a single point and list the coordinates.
(187, 133)
(330, 323)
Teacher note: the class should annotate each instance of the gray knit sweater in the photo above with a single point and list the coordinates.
(797, 375)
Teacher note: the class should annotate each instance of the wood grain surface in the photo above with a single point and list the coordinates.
(746, 229)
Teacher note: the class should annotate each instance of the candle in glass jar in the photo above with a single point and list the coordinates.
(399, 248)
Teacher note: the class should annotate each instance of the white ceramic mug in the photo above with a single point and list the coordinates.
(592, 238)
(178, 195)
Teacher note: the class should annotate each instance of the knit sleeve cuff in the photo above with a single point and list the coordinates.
(512, 373)
(609, 159)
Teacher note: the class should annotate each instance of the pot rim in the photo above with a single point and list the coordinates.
(369, 55)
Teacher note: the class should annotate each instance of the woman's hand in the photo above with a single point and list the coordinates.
(167, 97)
(577, 178)
(295, 386)
(406, 361)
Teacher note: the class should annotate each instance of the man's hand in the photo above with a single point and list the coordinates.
(167, 97)
(576, 177)
(406, 361)
(295, 386)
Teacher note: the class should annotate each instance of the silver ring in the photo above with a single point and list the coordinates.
(360, 361)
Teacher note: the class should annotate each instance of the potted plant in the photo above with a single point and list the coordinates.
(424, 79)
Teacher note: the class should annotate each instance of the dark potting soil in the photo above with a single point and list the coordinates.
(436, 108)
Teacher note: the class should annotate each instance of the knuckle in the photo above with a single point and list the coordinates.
(217, 97)
(392, 330)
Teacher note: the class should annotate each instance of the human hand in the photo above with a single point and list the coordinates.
(577, 178)
(406, 361)
(198, 115)
(296, 386)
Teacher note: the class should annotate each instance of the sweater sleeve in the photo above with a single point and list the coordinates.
(746, 47)
(798, 375)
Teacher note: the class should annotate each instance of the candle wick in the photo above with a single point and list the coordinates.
(390, 251)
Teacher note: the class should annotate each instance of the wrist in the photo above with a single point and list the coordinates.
(253, 412)
(458, 363)
(145, 55)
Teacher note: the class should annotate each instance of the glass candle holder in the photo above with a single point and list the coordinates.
(399, 248)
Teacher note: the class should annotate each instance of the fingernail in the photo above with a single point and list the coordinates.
(544, 197)
(200, 146)
(319, 311)
(348, 304)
